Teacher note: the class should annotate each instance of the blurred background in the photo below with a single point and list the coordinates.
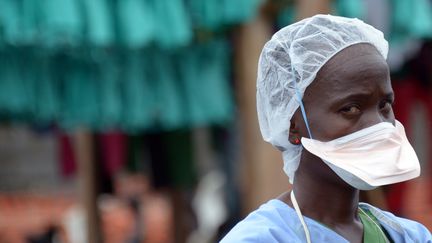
(135, 121)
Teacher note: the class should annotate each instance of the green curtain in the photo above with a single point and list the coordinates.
(125, 64)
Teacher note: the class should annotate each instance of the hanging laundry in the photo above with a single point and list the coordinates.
(9, 22)
(79, 94)
(216, 14)
(411, 19)
(135, 65)
(108, 87)
(137, 23)
(66, 155)
(174, 28)
(207, 90)
(61, 23)
(100, 27)
(138, 94)
(113, 147)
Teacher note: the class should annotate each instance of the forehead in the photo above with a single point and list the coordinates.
(358, 68)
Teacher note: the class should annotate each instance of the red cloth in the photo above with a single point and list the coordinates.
(66, 155)
(408, 92)
(113, 151)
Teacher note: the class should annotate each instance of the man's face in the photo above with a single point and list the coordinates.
(352, 91)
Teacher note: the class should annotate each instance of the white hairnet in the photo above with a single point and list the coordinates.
(290, 61)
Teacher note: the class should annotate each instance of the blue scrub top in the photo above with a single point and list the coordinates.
(275, 221)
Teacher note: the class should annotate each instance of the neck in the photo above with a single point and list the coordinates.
(329, 202)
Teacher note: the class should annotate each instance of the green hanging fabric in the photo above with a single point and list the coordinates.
(79, 94)
(128, 64)
(30, 23)
(61, 23)
(189, 73)
(13, 98)
(169, 105)
(173, 25)
(109, 85)
(99, 22)
(411, 19)
(349, 8)
(136, 22)
(285, 16)
(216, 97)
(205, 77)
(46, 88)
(138, 93)
(206, 14)
(9, 22)
(240, 11)
(29, 89)
(214, 14)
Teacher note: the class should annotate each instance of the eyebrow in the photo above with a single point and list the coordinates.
(360, 96)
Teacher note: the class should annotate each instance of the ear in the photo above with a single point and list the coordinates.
(294, 135)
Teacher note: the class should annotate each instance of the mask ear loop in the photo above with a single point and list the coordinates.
(299, 100)
(293, 199)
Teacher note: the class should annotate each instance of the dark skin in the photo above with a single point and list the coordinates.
(352, 91)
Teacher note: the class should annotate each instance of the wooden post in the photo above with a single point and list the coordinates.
(262, 164)
(83, 144)
(307, 8)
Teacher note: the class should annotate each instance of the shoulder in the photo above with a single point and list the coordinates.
(401, 227)
(271, 222)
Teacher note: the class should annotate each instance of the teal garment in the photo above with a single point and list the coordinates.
(61, 23)
(207, 91)
(411, 19)
(206, 14)
(13, 97)
(137, 65)
(30, 18)
(286, 16)
(46, 100)
(109, 84)
(240, 11)
(214, 14)
(169, 110)
(100, 27)
(349, 8)
(26, 70)
(174, 28)
(9, 22)
(144, 22)
(79, 94)
(152, 93)
(137, 23)
(131, 23)
(216, 95)
(138, 94)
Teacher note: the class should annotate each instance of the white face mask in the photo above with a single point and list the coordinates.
(374, 156)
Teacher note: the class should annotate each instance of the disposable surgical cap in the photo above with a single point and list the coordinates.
(290, 61)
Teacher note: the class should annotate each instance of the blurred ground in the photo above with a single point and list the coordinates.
(32, 215)
(25, 215)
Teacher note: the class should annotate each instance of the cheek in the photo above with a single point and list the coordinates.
(328, 126)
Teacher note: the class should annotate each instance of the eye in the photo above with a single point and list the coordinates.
(351, 110)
